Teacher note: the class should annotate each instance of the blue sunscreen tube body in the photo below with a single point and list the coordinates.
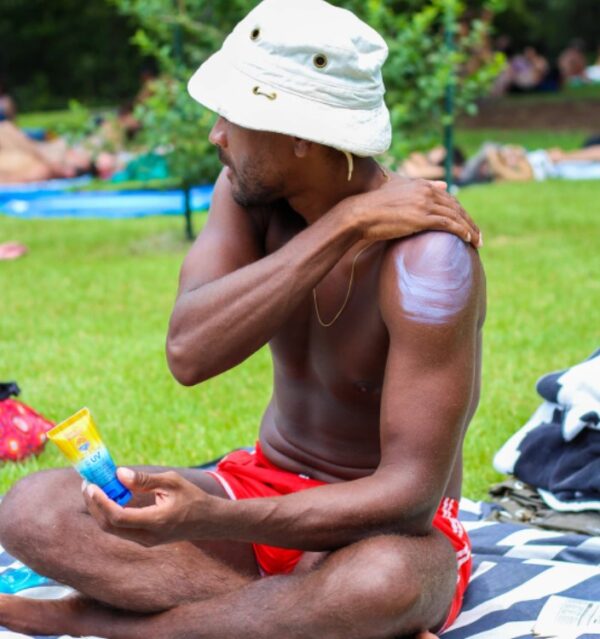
(79, 440)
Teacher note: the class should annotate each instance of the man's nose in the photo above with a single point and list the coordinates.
(218, 134)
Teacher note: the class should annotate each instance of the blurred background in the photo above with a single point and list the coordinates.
(68, 67)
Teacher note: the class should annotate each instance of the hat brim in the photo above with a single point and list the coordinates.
(221, 87)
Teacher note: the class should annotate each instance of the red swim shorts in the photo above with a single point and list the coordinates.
(245, 475)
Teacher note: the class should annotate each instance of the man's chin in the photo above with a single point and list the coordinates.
(248, 199)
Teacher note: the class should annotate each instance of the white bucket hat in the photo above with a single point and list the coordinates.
(302, 68)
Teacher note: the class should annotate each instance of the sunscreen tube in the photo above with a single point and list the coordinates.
(78, 439)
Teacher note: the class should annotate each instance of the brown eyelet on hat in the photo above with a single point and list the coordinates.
(254, 35)
(271, 96)
(320, 60)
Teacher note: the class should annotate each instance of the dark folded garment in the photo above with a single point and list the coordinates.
(570, 471)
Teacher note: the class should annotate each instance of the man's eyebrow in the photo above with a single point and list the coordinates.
(434, 283)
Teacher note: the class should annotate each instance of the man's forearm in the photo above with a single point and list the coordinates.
(326, 517)
(220, 323)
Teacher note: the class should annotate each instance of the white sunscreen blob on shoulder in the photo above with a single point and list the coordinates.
(434, 277)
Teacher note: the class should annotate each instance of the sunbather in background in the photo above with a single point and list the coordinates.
(25, 160)
(515, 163)
(430, 165)
(507, 162)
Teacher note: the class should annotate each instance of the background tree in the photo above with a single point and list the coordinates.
(551, 24)
(65, 49)
(54, 51)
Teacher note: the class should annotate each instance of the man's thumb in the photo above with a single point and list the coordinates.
(138, 481)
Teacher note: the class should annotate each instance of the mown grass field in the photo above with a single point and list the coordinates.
(84, 317)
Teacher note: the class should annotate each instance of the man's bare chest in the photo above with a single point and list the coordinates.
(345, 360)
(335, 341)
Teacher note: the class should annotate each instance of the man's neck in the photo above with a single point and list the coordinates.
(325, 188)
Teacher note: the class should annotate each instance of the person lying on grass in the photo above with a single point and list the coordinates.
(342, 522)
(25, 160)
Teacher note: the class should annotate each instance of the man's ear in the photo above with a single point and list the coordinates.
(302, 147)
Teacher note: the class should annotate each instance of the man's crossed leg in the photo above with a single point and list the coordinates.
(384, 586)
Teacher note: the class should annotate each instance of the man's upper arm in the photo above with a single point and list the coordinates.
(229, 240)
(431, 299)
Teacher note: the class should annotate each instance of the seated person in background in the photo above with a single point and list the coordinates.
(8, 108)
(572, 63)
(523, 72)
(118, 131)
(592, 73)
(528, 70)
(343, 522)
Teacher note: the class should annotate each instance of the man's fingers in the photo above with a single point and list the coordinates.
(138, 481)
(443, 222)
(109, 515)
(474, 227)
(98, 504)
(451, 206)
(111, 520)
(440, 184)
(448, 218)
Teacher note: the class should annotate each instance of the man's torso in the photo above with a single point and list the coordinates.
(323, 417)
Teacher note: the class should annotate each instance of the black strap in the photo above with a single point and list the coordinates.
(7, 389)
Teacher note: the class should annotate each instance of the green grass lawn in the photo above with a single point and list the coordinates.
(84, 317)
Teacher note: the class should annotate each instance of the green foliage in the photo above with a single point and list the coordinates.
(54, 51)
(551, 24)
(422, 64)
(78, 125)
(181, 34)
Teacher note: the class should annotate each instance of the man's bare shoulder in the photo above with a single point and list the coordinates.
(432, 278)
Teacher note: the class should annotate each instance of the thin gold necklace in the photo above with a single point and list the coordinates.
(328, 324)
(362, 250)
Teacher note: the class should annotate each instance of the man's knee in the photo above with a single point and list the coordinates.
(35, 505)
(383, 573)
(403, 583)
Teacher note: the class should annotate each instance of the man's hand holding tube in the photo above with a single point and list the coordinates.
(181, 510)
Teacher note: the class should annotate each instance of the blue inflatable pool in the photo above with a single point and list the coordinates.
(36, 204)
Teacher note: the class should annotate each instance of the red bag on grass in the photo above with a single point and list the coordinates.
(22, 430)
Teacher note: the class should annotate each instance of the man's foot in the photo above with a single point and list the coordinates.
(38, 616)
(12, 250)
(73, 615)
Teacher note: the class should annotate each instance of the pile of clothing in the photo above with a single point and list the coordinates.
(555, 456)
(22, 429)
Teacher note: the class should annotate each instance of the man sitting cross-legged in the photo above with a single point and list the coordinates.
(343, 522)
